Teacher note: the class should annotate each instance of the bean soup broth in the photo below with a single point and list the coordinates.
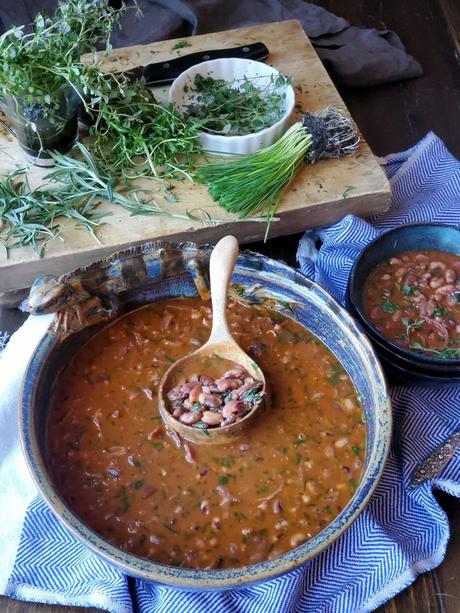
(222, 506)
(414, 301)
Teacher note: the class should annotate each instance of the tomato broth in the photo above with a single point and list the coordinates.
(204, 506)
(414, 300)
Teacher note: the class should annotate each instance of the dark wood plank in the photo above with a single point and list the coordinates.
(448, 573)
(452, 18)
(394, 116)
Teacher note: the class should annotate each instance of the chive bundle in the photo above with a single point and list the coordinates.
(254, 182)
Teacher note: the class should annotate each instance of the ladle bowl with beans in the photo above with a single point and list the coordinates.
(405, 290)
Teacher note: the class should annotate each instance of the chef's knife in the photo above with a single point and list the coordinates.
(162, 73)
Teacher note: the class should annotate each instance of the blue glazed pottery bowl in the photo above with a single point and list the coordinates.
(170, 271)
(403, 365)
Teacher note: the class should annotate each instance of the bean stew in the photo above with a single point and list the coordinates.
(151, 493)
(414, 301)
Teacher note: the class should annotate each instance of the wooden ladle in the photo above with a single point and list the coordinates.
(221, 344)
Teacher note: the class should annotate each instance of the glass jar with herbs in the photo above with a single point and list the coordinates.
(43, 77)
(43, 123)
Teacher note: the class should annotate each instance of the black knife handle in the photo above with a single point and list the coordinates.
(165, 72)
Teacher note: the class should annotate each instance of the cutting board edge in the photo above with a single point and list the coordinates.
(254, 232)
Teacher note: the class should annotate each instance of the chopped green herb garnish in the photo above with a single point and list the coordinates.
(124, 497)
(407, 289)
(348, 190)
(138, 484)
(353, 485)
(180, 44)
(356, 449)
(333, 375)
(170, 528)
(263, 532)
(411, 326)
(225, 461)
(200, 425)
(449, 353)
(389, 307)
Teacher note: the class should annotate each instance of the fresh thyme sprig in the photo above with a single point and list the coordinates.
(133, 135)
(38, 60)
(237, 107)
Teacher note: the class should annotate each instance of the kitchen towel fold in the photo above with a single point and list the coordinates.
(355, 56)
(402, 532)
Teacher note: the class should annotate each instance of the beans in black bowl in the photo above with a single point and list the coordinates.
(404, 289)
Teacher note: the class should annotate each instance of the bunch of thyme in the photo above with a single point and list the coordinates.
(133, 135)
(40, 59)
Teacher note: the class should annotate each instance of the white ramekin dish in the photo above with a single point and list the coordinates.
(230, 69)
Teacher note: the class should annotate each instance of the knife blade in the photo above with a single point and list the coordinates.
(162, 73)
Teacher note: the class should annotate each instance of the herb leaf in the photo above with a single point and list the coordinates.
(235, 107)
(389, 307)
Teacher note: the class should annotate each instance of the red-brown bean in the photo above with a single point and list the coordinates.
(209, 400)
(232, 407)
(195, 394)
(450, 275)
(211, 419)
(190, 418)
(226, 385)
(437, 282)
(437, 265)
(234, 373)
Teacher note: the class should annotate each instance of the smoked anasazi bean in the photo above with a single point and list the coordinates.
(204, 402)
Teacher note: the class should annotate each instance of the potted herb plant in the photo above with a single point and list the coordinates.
(42, 76)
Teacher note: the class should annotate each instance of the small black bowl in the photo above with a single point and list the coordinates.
(403, 365)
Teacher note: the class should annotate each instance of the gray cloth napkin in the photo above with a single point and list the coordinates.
(354, 56)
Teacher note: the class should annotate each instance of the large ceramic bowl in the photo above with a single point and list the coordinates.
(163, 271)
(403, 365)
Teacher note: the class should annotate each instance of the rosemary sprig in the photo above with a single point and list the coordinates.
(73, 190)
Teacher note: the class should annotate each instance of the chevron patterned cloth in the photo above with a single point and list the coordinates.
(401, 533)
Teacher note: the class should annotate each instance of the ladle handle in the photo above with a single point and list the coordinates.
(221, 265)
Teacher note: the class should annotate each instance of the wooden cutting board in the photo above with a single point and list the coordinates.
(321, 194)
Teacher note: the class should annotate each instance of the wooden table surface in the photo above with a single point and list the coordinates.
(392, 117)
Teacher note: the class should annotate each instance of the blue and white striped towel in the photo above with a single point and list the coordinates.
(401, 533)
